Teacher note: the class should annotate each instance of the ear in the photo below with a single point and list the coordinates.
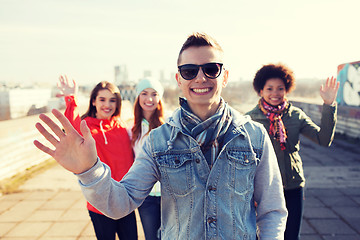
(177, 77)
(261, 93)
(226, 77)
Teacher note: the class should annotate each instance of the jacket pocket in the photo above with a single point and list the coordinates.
(297, 172)
(242, 166)
(177, 173)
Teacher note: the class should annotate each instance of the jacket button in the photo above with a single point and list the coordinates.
(197, 160)
(211, 220)
(211, 188)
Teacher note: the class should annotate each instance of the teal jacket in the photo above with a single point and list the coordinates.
(297, 122)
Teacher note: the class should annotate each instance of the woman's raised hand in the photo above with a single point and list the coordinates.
(66, 89)
(329, 91)
(72, 151)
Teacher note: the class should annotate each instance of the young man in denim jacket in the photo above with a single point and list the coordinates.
(218, 171)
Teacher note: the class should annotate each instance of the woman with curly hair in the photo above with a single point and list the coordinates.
(284, 123)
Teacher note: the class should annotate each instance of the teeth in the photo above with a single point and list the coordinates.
(201, 90)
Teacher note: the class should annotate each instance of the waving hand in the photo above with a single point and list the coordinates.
(66, 88)
(72, 151)
(329, 91)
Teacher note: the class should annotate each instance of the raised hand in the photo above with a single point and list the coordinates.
(329, 91)
(66, 89)
(72, 151)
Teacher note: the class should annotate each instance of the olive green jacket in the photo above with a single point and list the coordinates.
(297, 122)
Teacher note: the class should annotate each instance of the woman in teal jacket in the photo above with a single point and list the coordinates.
(284, 123)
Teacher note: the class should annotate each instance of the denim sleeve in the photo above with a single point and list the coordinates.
(269, 196)
(118, 199)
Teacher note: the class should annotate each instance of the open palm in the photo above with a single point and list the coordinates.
(329, 91)
(66, 89)
(72, 151)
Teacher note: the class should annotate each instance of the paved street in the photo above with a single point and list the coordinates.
(332, 205)
(51, 206)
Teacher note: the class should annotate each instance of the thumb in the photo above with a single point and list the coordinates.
(85, 131)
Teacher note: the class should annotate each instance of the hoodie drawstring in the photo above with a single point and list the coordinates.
(103, 132)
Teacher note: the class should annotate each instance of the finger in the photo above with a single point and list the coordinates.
(48, 136)
(69, 129)
(74, 84)
(43, 148)
(67, 81)
(328, 82)
(337, 86)
(59, 95)
(61, 80)
(85, 129)
(334, 82)
(53, 126)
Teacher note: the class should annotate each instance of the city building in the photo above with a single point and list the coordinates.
(17, 102)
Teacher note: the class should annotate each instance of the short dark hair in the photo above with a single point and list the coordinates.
(198, 39)
(278, 70)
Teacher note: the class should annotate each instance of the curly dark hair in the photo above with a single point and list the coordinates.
(278, 70)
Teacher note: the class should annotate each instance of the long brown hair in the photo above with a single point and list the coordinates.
(91, 112)
(156, 119)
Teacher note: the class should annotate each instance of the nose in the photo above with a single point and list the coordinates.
(106, 103)
(200, 76)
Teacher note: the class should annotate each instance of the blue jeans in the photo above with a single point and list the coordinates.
(294, 199)
(106, 228)
(151, 217)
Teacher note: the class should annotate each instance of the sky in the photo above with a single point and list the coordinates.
(86, 39)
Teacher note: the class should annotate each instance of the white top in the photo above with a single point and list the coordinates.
(156, 191)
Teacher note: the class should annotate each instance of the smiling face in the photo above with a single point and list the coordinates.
(149, 100)
(202, 93)
(105, 104)
(274, 91)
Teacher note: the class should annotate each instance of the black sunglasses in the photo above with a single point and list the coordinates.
(210, 70)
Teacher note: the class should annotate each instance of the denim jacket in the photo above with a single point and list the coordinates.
(242, 191)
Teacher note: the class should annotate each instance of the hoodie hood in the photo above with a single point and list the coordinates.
(103, 125)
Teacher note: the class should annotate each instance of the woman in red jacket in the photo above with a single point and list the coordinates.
(112, 144)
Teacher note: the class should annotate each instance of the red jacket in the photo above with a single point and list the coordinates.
(112, 141)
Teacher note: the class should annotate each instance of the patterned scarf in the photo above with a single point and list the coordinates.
(274, 114)
(210, 133)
